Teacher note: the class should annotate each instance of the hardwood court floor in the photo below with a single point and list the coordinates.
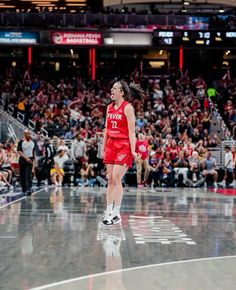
(169, 239)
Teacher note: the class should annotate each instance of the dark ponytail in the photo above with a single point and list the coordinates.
(136, 91)
(131, 91)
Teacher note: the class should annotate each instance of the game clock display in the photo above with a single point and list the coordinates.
(194, 38)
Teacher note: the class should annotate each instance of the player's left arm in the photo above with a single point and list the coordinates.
(129, 113)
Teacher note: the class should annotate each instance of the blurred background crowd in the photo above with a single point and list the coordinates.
(60, 60)
(173, 127)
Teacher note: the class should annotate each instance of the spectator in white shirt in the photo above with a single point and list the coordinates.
(159, 106)
(60, 158)
(157, 92)
(62, 146)
(229, 167)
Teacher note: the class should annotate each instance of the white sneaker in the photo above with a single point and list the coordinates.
(106, 214)
(233, 184)
(111, 218)
(215, 184)
(222, 183)
(2, 183)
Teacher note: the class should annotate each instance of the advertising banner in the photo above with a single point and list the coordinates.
(76, 38)
(19, 37)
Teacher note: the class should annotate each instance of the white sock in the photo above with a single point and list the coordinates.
(117, 208)
(109, 206)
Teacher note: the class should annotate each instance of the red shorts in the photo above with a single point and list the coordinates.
(117, 151)
(15, 165)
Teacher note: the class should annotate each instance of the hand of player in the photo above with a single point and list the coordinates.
(136, 156)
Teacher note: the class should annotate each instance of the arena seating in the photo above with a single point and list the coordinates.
(175, 114)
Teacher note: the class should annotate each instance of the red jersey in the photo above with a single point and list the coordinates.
(141, 148)
(117, 125)
(173, 151)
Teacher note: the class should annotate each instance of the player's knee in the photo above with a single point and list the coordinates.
(109, 179)
(116, 179)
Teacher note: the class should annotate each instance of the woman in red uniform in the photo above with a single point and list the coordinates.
(119, 145)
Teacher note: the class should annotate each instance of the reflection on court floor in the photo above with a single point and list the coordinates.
(56, 238)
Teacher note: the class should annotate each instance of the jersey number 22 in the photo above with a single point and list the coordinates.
(114, 124)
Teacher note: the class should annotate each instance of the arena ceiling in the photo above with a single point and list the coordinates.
(118, 2)
(207, 6)
(37, 4)
(191, 6)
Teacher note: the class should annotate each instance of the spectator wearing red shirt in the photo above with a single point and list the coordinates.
(173, 149)
(141, 148)
(195, 105)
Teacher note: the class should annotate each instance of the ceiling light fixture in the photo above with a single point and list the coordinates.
(75, 4)
(39, 2)
(45, 4)
(42, 1)
(8, 6)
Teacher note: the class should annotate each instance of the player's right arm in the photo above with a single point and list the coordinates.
(105, 135)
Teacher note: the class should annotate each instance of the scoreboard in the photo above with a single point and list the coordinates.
(194, 38)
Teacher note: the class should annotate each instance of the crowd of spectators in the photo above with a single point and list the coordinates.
(173, 107)
(175, 117)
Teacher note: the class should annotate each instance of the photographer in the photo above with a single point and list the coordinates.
(166, 173)
(86, 175)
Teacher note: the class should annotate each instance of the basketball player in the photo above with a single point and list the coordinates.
(119, 145)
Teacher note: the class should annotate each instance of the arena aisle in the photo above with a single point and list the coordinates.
(170, 238)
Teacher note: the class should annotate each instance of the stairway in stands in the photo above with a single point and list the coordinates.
(217, 126)
(11, 127)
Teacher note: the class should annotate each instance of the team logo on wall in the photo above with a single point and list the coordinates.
(57, 38)
(77, 37)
